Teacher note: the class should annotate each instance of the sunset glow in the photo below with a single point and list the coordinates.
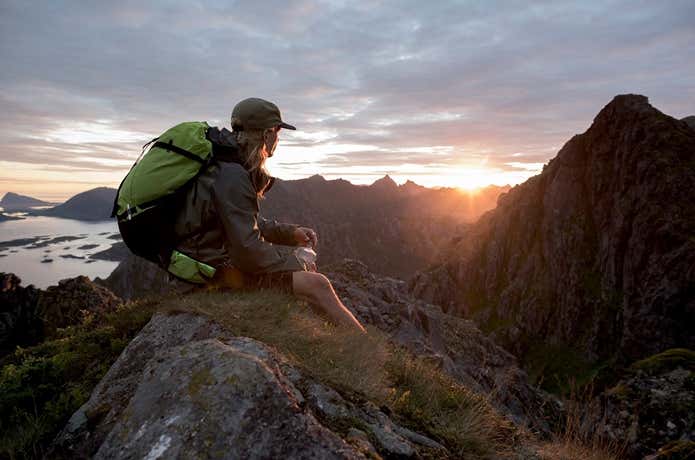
(78, 102)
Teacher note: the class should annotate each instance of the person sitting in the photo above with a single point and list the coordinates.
(219, 222)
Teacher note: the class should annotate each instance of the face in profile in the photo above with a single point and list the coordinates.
(270, 139)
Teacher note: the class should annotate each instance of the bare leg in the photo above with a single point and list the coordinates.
(317, 290)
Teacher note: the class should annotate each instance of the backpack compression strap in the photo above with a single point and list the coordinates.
(176, 149)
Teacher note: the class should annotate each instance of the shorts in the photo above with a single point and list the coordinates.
(229, 277)
(279, 281)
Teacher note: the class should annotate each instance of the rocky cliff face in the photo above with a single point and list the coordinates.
(595, 253)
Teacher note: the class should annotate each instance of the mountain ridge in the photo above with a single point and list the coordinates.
(594, 251)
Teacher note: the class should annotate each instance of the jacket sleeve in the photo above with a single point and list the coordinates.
(277, 232)
(235, 200)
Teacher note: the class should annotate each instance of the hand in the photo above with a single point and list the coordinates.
(307, 256)
(305, 236)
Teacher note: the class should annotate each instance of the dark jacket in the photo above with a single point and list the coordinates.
(220, 222)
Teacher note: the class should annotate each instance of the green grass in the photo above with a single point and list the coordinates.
(40, 387)
(431, 402)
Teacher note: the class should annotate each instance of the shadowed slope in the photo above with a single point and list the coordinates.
(595, 256)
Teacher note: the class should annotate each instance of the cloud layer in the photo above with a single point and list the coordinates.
(449, 93)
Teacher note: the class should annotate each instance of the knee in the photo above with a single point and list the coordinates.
(318, 281)
(309, 283)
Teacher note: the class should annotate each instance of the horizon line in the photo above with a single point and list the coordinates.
(56, 199)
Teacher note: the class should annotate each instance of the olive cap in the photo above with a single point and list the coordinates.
(255, 113)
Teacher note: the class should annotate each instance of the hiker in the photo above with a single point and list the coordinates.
(218, 223)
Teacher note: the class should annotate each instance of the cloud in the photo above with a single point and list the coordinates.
(486, 81)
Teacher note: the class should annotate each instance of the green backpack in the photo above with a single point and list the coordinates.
(150, 195)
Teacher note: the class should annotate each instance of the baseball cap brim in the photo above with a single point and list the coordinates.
(286, 126)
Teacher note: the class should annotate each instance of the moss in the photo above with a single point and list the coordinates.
(199, 380)
(666, 361)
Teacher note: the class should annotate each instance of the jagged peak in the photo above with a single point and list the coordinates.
(385, 181)
(623, 105)
(410, 183)
(316, 178)
(631, 100)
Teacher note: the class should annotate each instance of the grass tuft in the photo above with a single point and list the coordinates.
(580, 438)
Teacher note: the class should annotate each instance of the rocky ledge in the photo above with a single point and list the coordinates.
(185, 388)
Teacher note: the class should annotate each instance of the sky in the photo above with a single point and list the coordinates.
(444, 93)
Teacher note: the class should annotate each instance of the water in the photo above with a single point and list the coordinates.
(26, 262)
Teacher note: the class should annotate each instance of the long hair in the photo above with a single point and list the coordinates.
(254, 155)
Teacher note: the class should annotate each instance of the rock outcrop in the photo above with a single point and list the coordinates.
(185, 388)
(596, 253)
(456, 345)
(28, 315)
(653, 408)
(19, 323)
(73, 300)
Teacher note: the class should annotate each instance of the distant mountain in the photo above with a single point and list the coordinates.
(4, 217)
(15, 202)
(690, 121)
(95, 204)
(592, 259)
(395, 230)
